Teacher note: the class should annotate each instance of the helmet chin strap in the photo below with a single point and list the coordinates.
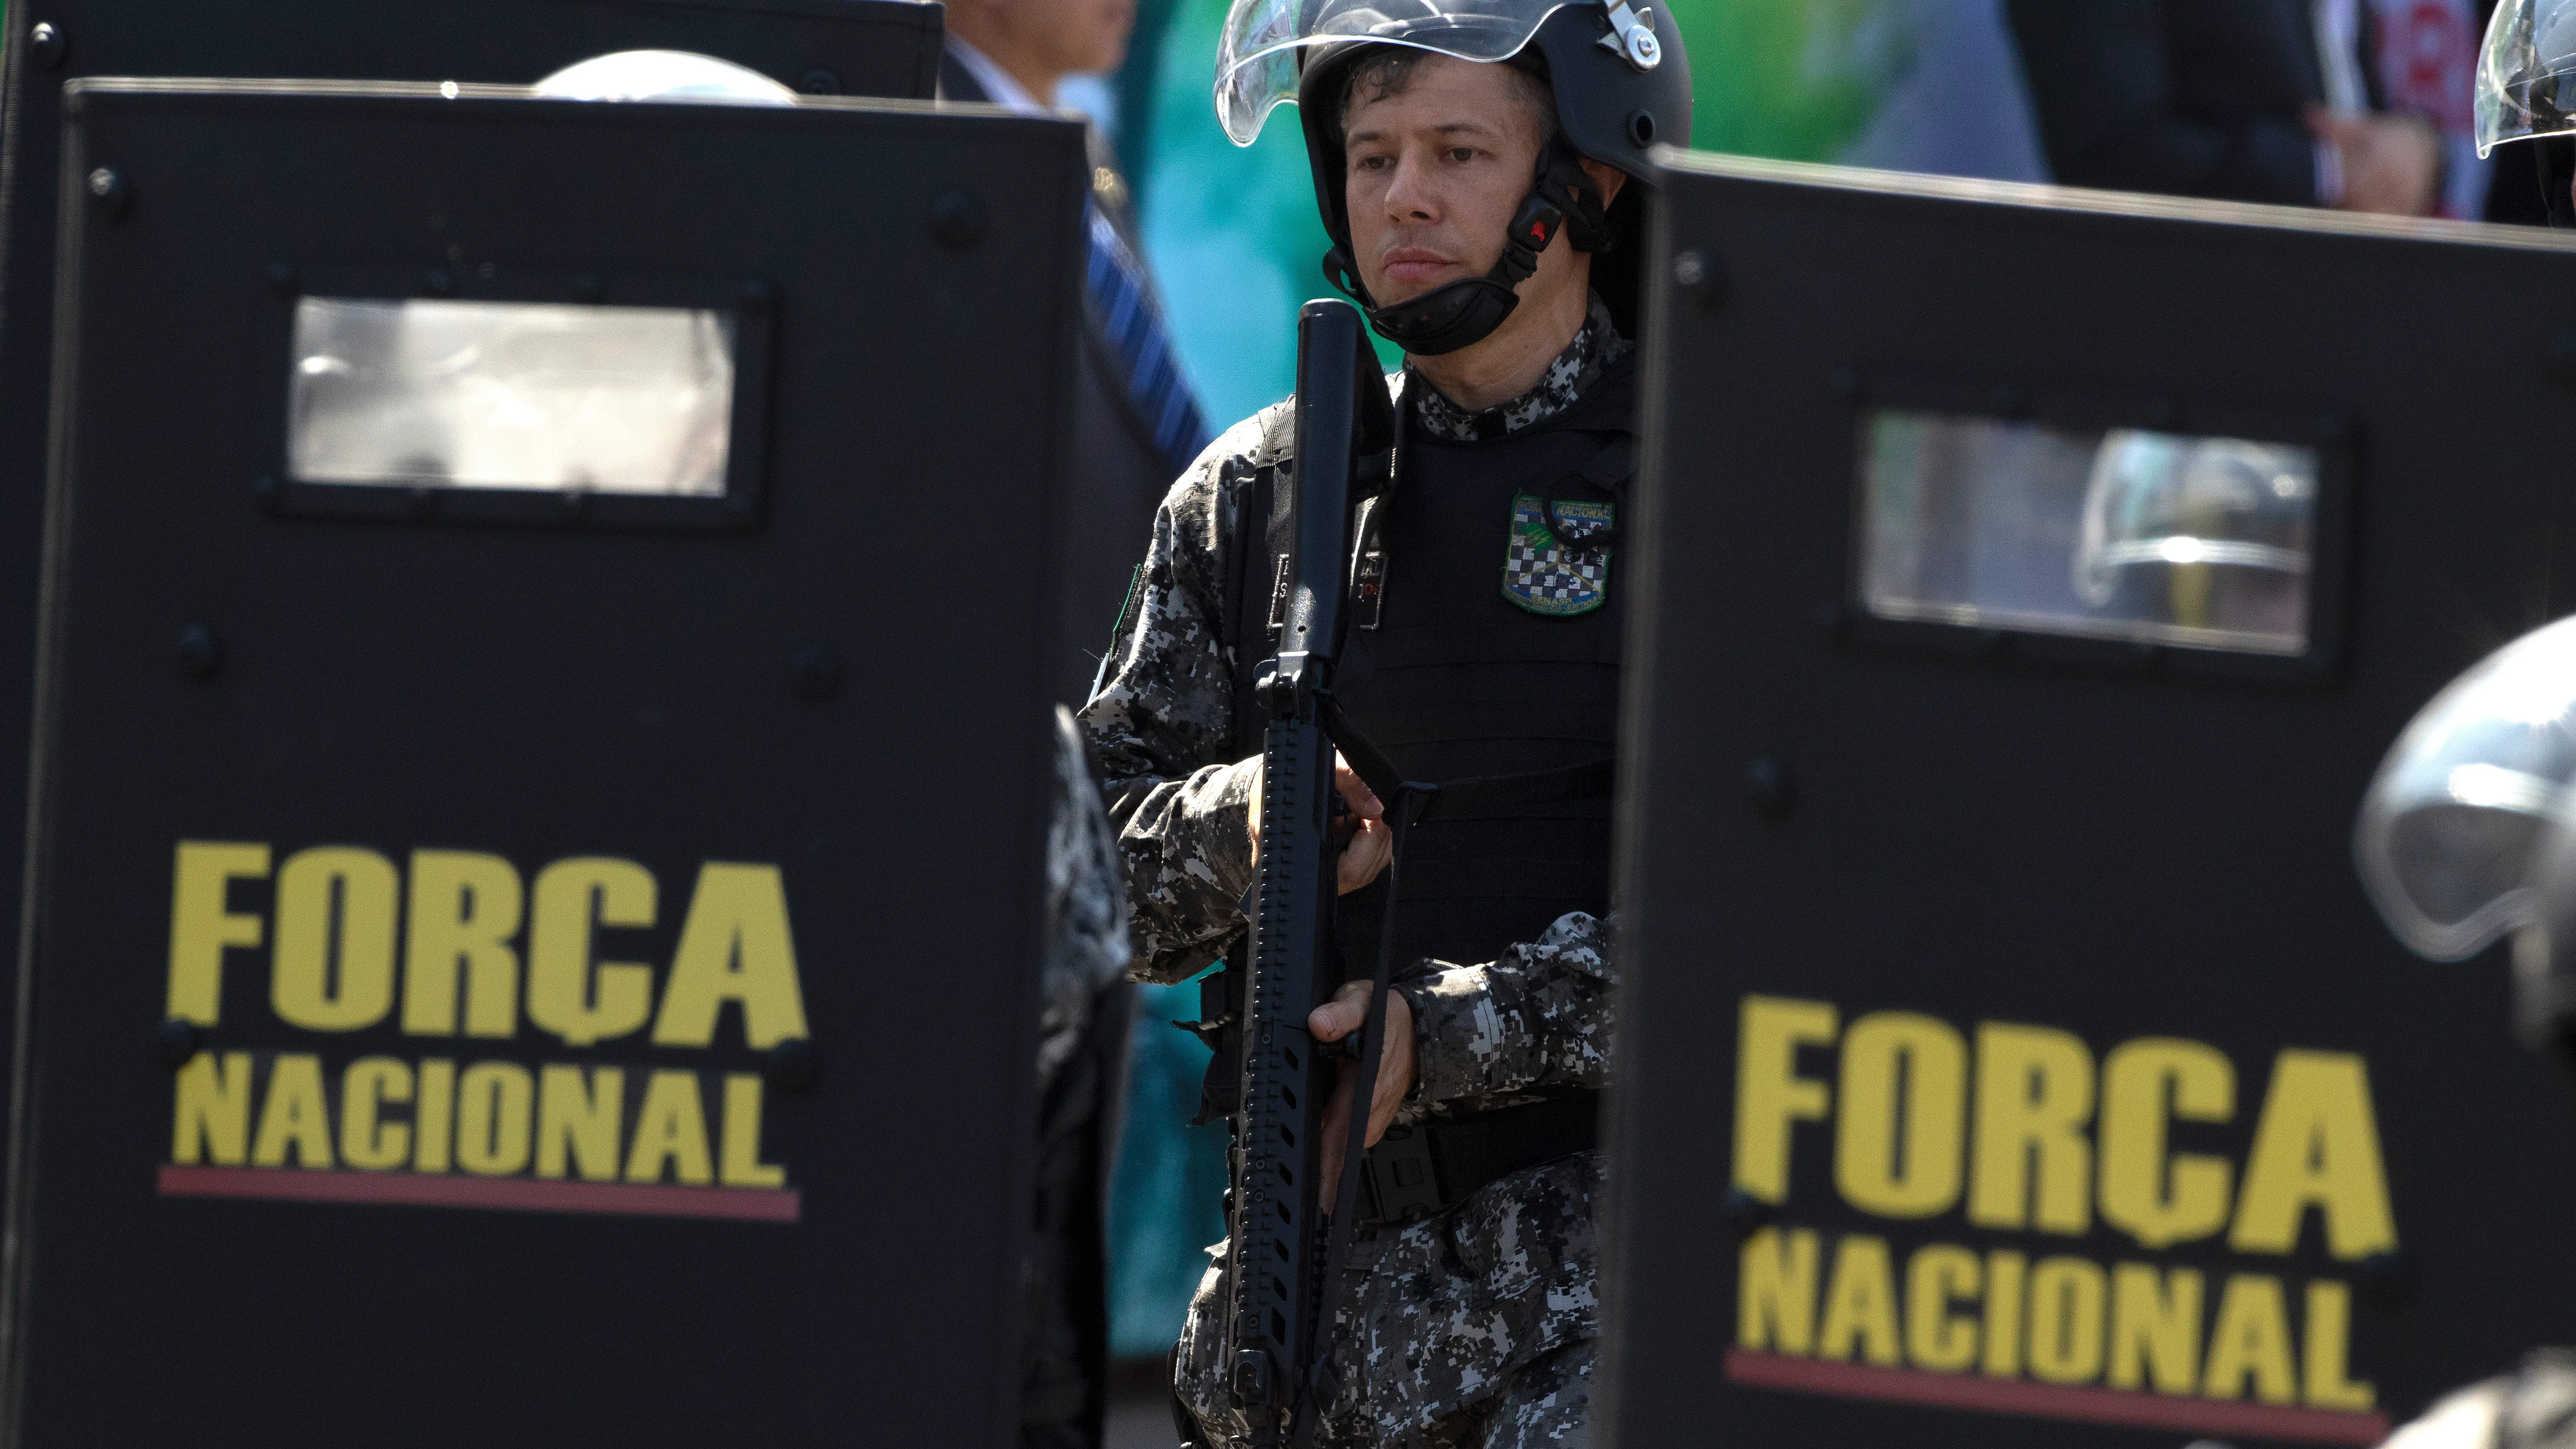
(1465, 312)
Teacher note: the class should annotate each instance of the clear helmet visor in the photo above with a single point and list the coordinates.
(2466, 798)
(1257, 58)
(2527, 72)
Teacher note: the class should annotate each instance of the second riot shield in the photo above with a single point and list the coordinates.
(851, 47)
(2032, 581)
(542, 771)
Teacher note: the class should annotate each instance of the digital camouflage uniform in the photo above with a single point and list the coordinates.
(1082, 1038)
(1473, 1328)
(1086, 915)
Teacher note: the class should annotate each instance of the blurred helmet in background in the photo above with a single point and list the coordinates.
(2455, 818)
(2465, 833)
(664, 75)
(2225, 527)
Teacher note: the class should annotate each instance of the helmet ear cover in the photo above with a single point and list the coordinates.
(1465, 312)
(1562, 179)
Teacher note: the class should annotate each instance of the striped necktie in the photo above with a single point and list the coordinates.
(1124, 307)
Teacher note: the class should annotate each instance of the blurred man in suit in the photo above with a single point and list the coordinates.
(2237, 100)
(1137, 427)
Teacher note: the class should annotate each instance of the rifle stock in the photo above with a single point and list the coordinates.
(1278, 1320)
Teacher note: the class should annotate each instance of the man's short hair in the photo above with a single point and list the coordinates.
(1386, 71)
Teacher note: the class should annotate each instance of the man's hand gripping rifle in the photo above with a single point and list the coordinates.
(1285, 1258)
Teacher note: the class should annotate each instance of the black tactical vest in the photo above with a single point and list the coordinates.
(1453, 679)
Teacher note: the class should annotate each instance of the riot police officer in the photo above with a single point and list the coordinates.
(1479, 168)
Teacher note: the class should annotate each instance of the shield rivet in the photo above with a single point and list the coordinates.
(1768, 784)
(2562, 356)
(2386, 1280)
(1744, 1214)
(957, 219)
(180, 1043)
(792, 1065)
(109, 191)
(1701, 279)
(814, 674)
(46, 44)
(201, 653)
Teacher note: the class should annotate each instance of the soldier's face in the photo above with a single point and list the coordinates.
(1437, 166)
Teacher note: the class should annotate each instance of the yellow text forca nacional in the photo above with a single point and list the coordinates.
(458, 916)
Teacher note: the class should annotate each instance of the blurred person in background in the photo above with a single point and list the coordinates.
(1137, 425)
(2280, 101)
(1082, 1031)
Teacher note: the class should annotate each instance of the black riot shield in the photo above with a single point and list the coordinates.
(2032, 582)
(542, 715)
(852, 47)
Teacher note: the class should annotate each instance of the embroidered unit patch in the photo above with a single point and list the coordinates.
(1563, 570)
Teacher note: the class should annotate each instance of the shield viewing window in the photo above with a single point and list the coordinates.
(534, 395)
(2121, 535)
(493, 395)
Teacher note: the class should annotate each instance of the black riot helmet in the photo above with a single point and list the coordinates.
(2468, 832)
(1621, 84)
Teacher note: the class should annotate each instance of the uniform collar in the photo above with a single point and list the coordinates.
(999, 88)
(1596, 345)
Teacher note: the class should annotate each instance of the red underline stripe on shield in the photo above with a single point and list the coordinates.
(515, 1194)
(2048, 1401)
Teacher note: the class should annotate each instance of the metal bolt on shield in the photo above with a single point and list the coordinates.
(1701, 279)
(814, 674)
(180, 1043)
(1769, 785)
(792, 1065)
(957, 219)
(201, 653)
(109, 191)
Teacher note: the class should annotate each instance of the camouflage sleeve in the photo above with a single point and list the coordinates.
(1538, 1016)
(1086, 911)
(1162, 724)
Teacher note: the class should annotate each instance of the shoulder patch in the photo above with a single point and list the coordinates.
(1561, 570)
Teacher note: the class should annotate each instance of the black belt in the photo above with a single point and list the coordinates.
(1431, 1167)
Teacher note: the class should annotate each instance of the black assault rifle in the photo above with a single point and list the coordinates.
(1284, 1261)
(1285, 1257)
